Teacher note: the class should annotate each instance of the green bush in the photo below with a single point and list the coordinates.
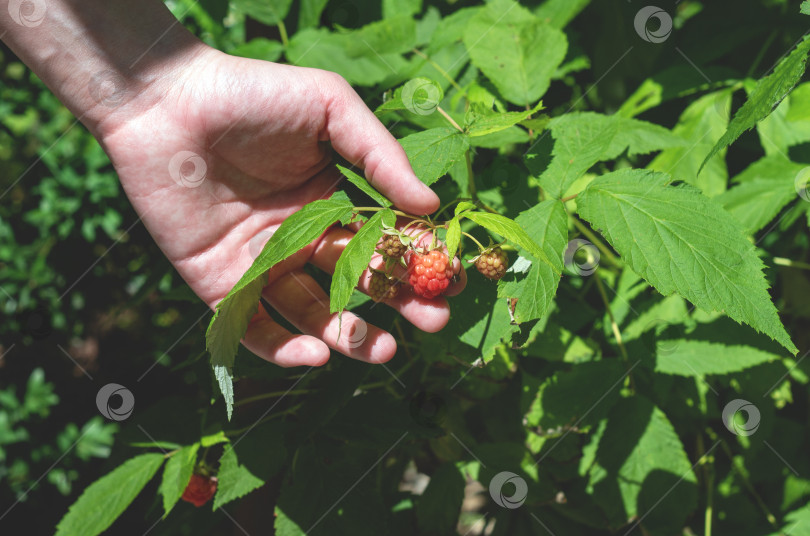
(639, 370)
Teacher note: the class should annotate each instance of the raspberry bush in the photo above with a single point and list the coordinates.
(627, 355)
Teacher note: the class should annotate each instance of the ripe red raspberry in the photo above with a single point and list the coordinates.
(430, 273)
(492, 263)
(392, 247)
(381, 287)
(200, 489)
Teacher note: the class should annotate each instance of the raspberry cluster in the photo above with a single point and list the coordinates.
(430, 273)
(200, 489)
(492, 263)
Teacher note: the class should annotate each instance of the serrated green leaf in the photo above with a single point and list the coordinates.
(513, 232)
(214, 439)
(105, 499)
(518, 52)
(453, 237)
(270, 12)
(463, 206)
(355, 258)
(487, 124)
(433, 152)
(768, 93)
(392, 8)
(764, 188)
(685, 357)
(285, 526)
(439, 506)
(638, 463)
(804, 9)
(703, 123)
(363, 184)
(584, 138)
(547, 223)
(176, 475)
(681, 241)
(394, 35)
(233, 480)
(789, 123)
(233, 313)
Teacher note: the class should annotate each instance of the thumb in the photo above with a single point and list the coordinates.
(361, 139)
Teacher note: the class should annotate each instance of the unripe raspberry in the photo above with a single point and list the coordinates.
(429, 273)
(381, 287)
(392, 247)
(200, 489)
(492, 263)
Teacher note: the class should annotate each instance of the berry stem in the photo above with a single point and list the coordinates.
(471, 237)
(450, 119)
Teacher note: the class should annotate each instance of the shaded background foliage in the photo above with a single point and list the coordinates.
(83, 283)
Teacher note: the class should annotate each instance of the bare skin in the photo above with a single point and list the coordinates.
(214, 152)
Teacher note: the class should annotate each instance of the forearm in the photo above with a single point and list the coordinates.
(105, 59)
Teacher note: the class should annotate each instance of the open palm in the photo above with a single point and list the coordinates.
(216, 160)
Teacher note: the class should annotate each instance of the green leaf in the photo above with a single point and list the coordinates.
(310, 13)
(584, 138)
(105, 499)
(581, 396)
(233, 313)
(453, 237)
(214, 439)
(418, 95)
(176, 475)
(681, 241)
(768, 93)
(804, 9)
(764, 188)
(364, 185)
(703, 123)
(638, 463)
(389, 36)
(355, 258)
(433, 152)
(285, 526)
(270, 12)
(234, 480)
(487, 124)
(685, 357)
(259, 48)
(518, 52)
(393, 8)
(788, 124)
(439, 506)
(547, 223)
(321, 49)
(510, 230)
(559, 13)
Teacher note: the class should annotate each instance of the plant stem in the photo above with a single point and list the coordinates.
(569, 198)
(450, 119)
(282, 30)
(441, 71)
(595, 240)
(471, 237)
(613, 324)
(377, 209)
(708, 476)
(471, 185)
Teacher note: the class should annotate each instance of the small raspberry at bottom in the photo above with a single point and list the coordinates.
(200, 489)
